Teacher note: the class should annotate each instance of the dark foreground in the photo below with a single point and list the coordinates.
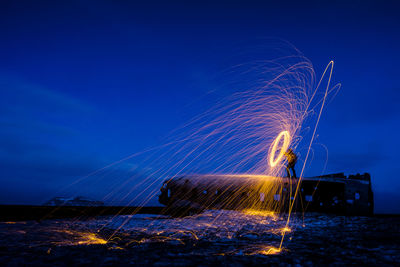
(226, 238)
(40, 213)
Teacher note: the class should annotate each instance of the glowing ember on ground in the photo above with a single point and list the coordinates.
(263, 213)
(90, 239)
(269, 251)
(80, 238)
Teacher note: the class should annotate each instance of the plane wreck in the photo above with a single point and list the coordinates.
(334, 193)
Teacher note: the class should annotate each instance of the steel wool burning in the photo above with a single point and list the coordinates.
(233, 155)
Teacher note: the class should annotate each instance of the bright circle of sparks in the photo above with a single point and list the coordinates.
(286, 142)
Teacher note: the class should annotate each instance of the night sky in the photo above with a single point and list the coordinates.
(86, 83)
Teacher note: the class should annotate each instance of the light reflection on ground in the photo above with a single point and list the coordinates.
(222, 238)
(251, 230)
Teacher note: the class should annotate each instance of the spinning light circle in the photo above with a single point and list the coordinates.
(273, 161)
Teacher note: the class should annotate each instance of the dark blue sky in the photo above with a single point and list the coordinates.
(85, 83)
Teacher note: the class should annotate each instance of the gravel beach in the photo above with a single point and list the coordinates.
(225, 238)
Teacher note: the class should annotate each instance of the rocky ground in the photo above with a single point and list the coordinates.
(226, 238)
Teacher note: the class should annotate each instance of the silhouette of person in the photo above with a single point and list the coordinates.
(292, 159)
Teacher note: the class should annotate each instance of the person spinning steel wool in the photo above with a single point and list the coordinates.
(292, 159)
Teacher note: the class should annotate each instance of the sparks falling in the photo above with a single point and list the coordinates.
(278, 106)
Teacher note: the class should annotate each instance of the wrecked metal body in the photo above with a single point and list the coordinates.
(337, 193)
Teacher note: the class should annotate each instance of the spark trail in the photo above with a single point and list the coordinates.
(275, 105)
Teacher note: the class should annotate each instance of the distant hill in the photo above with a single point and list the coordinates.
(77, 201)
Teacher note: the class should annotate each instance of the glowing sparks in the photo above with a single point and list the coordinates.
(281, 231)
(268, 251)
(263, 213)
(11, 222)
(81, 238)
(91, 239)
(270, 111)
(273, 161)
